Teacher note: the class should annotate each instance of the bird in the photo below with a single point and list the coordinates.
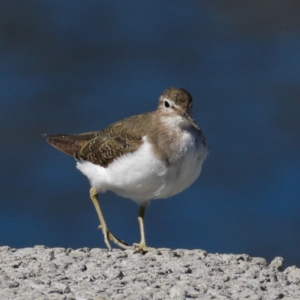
(144, 157)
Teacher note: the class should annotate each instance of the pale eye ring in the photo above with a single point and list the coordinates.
(167, 104)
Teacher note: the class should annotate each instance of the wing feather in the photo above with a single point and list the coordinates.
(102, 147)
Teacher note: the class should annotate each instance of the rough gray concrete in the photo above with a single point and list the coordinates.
(58, 273)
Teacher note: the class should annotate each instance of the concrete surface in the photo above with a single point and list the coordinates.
(58, 273)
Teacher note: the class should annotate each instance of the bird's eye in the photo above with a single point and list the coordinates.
(167, 104)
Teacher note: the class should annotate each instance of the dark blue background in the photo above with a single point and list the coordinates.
(76, 66)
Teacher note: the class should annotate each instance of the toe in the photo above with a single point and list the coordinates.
(142, 247)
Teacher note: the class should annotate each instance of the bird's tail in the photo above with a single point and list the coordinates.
(65, 143)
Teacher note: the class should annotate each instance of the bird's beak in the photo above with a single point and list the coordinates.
(187, 117)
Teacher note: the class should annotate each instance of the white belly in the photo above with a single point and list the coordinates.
(141, 176)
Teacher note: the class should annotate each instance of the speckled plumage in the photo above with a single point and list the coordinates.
(102, 147)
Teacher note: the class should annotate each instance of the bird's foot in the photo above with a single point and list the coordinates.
(142, 247)
(109, 236)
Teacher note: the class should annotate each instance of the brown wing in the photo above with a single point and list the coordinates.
(102, 147)
(104, 152)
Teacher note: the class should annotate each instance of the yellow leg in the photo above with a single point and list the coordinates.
(142, 246)
(107, 234)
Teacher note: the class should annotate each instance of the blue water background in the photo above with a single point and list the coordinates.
(76, 66)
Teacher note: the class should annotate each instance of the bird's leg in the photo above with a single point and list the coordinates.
(142, 246)
(107, 234)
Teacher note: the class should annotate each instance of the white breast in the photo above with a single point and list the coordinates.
(141, 176)
(187, 167)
